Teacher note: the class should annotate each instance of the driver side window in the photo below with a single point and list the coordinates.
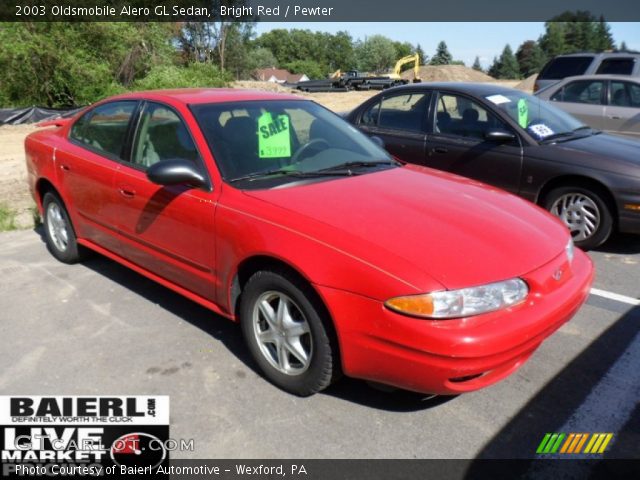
(162, 135)
(462, 117)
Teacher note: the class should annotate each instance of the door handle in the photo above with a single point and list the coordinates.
(127, 192)
(614, 117)
(440, 150)
(64, 167)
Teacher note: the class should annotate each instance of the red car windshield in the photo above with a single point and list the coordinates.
(281, 140)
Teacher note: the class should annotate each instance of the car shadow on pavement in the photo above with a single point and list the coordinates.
(566, 404)
(230, 336)
(621, 243)
(388, 399)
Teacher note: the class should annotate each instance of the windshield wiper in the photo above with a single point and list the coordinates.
(359, 163)
(566, 135)
(289, 173)
(557, 136)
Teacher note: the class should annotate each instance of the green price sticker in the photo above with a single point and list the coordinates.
(523, 113)
(274, 139)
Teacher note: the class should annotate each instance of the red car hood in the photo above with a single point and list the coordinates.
(457, 231)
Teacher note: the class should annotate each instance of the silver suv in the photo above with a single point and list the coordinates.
(562, 66)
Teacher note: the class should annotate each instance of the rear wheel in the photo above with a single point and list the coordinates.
(58, 230)
(584, 212)
(285, 330)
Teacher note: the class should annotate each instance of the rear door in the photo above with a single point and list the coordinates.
(622, 114)
(584, 99)
(456, 142)
(88, 167)
(399, 119)
(167, 230)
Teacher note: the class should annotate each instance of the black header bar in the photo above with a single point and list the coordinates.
(312, 10)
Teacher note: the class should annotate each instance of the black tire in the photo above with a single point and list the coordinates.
(304, 309)
(54, 219)
(595, 212)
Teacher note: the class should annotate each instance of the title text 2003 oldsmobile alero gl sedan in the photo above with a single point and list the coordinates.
(272, 211)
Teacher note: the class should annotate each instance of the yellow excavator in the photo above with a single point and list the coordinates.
(415, 59)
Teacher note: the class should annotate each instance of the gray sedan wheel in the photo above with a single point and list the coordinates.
(584, 212)
(288, 333)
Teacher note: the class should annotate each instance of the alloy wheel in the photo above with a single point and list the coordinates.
(282, 333)
(57, 227)
(579, 213)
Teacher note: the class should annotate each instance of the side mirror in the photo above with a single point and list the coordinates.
(499, 136)
(377, 140)
(174, 172)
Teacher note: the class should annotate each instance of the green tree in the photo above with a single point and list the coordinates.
(623, 47)
(310, 68)
(530, 58)
(574, 32)
(421, 54)
(194, 75)
(604, 39)
(260, 57)
(64, 64)
(476, 64)
(340, 54)
(442, 56)
(403, 49)
(506, 66)
(552, 41)
(375, 54)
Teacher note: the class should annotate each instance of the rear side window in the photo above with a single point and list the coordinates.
(104, 128)
(405, 112)
(625, 94)
(616, 66)
(562, 67)
(582, 91)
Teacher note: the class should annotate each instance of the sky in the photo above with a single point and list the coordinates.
(464, 39)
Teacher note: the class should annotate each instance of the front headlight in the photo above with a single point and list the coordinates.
(462, 303)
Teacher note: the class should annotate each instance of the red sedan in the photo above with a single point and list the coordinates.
(274, 212)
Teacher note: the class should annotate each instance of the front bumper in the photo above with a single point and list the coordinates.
(449, 357)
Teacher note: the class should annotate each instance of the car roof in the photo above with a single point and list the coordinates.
(626, 78)
(193, 96)
(479, 89)
(598, 54)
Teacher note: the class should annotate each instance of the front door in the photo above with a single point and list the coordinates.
(168, 230)
(457, 143)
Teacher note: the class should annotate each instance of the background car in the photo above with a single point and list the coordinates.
(272, 211)
(517, 142)
(604, 102)
(608, 63)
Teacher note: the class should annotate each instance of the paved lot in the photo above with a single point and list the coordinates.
(98, 328)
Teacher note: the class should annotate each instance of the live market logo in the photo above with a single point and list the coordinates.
(63, 435)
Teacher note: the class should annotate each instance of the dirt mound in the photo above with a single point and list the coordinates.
(526, 85)
(263, 86)
(448, 73)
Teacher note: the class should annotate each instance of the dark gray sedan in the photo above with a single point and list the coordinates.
(517, 142)
(606, 102)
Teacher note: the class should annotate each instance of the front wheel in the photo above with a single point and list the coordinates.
(584, 212)
(285, 330)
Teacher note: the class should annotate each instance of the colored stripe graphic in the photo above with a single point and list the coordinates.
(572, 443)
